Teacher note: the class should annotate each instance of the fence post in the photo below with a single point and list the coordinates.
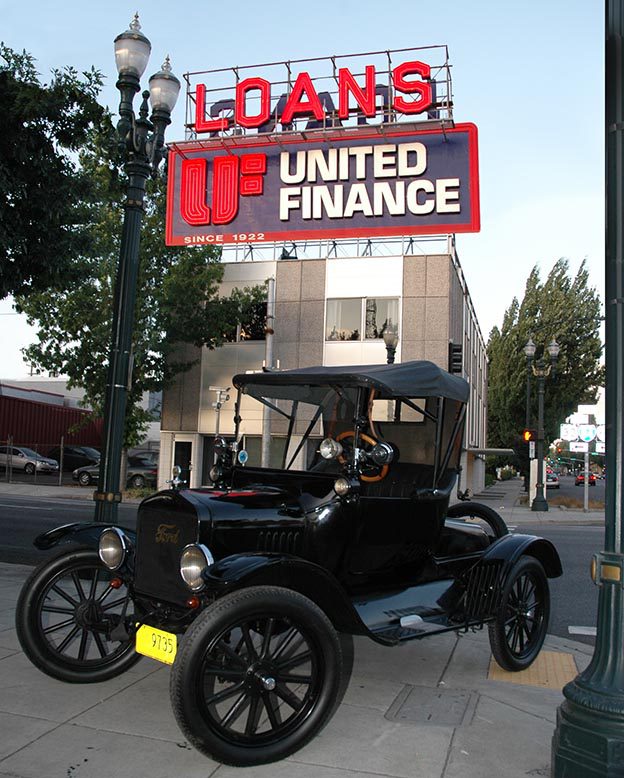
(61, 460)
(10, 459)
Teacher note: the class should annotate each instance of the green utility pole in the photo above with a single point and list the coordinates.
(589, 738)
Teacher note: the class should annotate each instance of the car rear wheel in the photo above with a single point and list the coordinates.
(482, 514)
(29, 468)
(519, 629)
(84, 479)
(257, 676)
(137, 482)
(71, 623)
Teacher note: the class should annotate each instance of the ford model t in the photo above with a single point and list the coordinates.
(252, 587)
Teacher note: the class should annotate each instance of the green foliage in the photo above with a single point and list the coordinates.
(43, 194)
(562, 308)
(177, 296)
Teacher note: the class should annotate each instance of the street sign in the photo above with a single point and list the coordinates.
(531, 449)
(587, 432)
(579, 447)
(600, 448)
(568, 432)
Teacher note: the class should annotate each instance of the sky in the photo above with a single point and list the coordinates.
(529, 74)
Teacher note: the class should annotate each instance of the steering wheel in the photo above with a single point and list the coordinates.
(371, 442)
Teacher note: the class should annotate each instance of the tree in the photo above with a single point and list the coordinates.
(566, 309)
(43, 194)
(177, 296)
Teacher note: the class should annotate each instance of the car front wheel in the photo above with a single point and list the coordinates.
(519, 629)
(71, 623)
(257, 676)
(84, 479)
(29, 468)
(137, 482)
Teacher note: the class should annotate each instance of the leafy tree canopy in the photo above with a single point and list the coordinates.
(177, 296)
(566, 309)
(43, 193)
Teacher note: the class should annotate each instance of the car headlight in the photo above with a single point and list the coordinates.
(195, 558)
(330, 448)
(216, 473)
(112, 548)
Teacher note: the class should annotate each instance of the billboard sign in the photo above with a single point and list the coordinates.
(357, 183)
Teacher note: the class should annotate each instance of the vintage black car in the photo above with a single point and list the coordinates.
(252, 588)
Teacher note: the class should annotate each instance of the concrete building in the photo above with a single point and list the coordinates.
(331, 310)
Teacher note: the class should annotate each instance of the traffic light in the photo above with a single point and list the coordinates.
(528, 435)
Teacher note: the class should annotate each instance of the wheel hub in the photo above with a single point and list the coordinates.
(259, 676)
(88, 614)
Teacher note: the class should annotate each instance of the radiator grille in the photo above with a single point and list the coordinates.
(280, 541)
(161, 536)
(483, 590)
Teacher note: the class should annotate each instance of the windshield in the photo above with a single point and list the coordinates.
(30, 453)
(298, 419)
(91, 452)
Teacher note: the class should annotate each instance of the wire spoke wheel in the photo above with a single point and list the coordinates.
(519, 629)
(66, 618)
(257, 676)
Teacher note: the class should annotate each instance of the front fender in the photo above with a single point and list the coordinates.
(510, 548)
(85, 534)
(315, 582)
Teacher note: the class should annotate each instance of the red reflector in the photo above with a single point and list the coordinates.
(116, 583)
(193, 602)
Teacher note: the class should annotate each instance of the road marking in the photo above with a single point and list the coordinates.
(24, 507)
(591, 631)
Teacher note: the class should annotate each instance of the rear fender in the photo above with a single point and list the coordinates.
(85, 534)
(316, 583)
(510, 548)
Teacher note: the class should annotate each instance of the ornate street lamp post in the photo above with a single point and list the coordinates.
(541, 371)
(589, 738)
(391, 339)
(142, 142)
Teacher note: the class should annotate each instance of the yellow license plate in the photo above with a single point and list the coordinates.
(156, 643)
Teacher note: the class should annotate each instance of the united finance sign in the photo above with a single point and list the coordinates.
(356, 183)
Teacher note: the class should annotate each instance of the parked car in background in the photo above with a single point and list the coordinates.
(139, 474)
(552, 481)
(75, 456)
(26, 459)
(580, 479)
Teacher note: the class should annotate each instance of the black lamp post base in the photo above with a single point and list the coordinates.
(539, 504)
(585, 748)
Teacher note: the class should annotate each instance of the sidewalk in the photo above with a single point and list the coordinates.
(505, 498)
(430, 709)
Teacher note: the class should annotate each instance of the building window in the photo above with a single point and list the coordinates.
(357, 318)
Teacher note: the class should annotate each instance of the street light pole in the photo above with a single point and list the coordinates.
(589, 738)
(142, 141)
(541, 371)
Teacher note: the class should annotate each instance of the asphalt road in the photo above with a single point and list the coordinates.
(23, 518)
(574, 596)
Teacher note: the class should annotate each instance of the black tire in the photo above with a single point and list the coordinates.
(519, 629)
(478, 512)
(65, 614)
(29, 468)
(137, 482)
(84, 479)
(234, 699)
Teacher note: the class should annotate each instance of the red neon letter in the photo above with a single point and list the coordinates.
(193, 192)
(224, 189)
(365, 98)
(412, 87)
(294, 104)
(264, 113)
(201, 125)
